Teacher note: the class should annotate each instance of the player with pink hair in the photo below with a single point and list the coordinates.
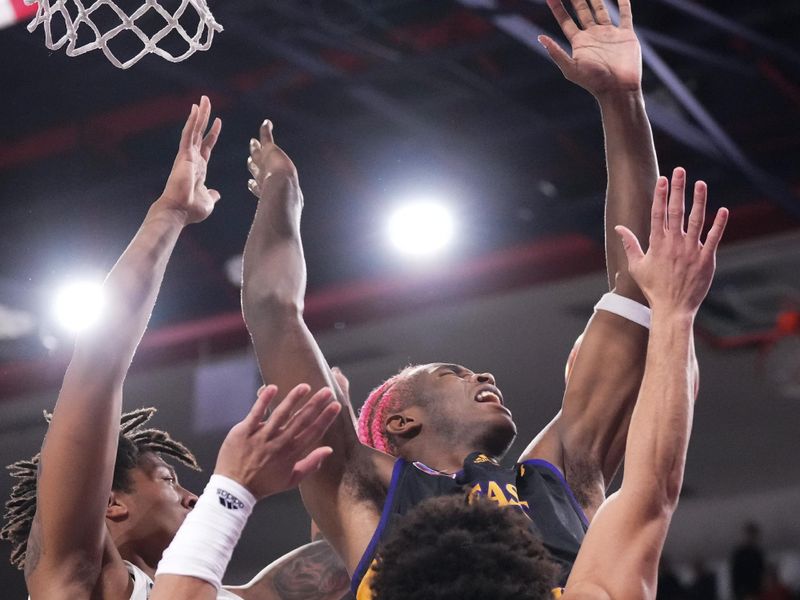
(441, 428)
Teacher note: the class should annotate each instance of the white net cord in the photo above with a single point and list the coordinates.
(200, 40)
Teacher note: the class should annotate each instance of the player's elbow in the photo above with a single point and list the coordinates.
(673, 484)
(269, 304)
(657, 495)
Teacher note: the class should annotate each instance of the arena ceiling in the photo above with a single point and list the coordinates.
(374, 101)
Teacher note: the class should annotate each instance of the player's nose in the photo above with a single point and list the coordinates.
(188, 499)
(485, 378)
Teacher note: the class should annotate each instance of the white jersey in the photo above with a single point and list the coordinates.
(142, 584)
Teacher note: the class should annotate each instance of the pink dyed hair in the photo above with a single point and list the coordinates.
(372, 416)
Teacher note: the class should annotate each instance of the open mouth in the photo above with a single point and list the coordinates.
(489, 394)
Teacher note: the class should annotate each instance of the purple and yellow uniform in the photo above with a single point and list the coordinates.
(536, 487)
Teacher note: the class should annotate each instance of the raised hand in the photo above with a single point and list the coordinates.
(605, 57)
(186, 191)
(677, 270)
(272, 456)
(266, 159)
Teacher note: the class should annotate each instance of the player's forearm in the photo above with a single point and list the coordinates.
(661, 423)
(274, 271)
(272, 302)
(78, 454)
(273, 287)
(131, 289)
(632, 173)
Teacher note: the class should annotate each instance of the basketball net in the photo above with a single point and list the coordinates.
(200, 40)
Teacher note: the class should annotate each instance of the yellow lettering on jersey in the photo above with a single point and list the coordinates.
(512, 489)
(557, 592)
(493, 491)
(474, 492)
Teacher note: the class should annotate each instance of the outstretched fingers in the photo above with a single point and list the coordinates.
(188, 129)
(303, 419)
(565, 21)
(625, 14)
(258, 411)
(715, 233)
(211, 139)
(310, 435)
(303, 468)
(253, 168)
(697, 216)
(601, 15)
(584, 13)
(252, 160)
(289, 405)
(658, 212)
(677, 198)
(201, 124)
(563, 60)
(313, 434)
(631, 245)
(265, 133)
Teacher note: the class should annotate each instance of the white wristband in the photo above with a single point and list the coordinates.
(625, 308)
(204, 544)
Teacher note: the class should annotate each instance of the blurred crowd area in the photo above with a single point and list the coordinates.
(751, 572)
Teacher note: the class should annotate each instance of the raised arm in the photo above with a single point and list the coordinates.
(272, 299)
(587, 438)
(77, 460)
(606, 61)
(619, 556)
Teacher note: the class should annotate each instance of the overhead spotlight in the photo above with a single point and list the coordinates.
(421, 229)
(78, 305)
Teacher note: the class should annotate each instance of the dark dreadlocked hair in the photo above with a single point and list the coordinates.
(449, 549)
(133, 442)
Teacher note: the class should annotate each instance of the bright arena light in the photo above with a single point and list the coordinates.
(421, 228)
(78, 305)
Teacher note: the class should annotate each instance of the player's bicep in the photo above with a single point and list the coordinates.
(601, 391)
(76, 467)
(288, 355)
(348, 511)
(546, 446)
(622, 547)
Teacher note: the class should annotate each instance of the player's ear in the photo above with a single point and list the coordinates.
(406, 424)
(117, 509)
